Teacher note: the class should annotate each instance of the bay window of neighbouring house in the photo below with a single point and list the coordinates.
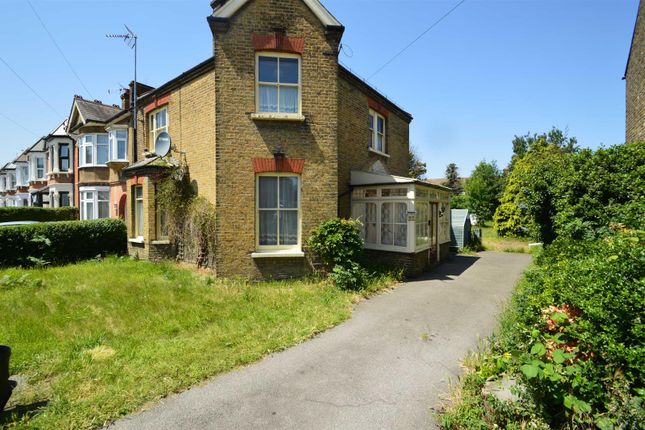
(278, 211)
(158, 123)
(376, 125)
(63, 157)
(137, 200)
(95, 203)
(278, 83)
(118, 145)
(94, 150)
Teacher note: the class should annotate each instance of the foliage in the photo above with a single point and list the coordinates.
(337, 242)
(351, 276)
(190, 219)
(100, 339)
(574, 334)
(61, 242)
(606, 187)
(38, 214)
(452, 179)
(529, 202)
(459, 202)
(555, 138)
(483, 190)
(416, 168)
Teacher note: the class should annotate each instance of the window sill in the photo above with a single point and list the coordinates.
(282, 253)
(160, 242)
(382, 154)
(88, 166)
(136, 240)
(275, 116)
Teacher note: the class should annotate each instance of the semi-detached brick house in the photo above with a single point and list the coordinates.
(280, 137)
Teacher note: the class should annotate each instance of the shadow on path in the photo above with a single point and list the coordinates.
(450, 269)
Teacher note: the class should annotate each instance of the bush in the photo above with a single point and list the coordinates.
(38, 214)
(352, 276)
(337, 242)
(61, 242)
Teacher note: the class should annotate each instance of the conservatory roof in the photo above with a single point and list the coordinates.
(359, 178)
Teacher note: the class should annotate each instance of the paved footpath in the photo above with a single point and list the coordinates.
(383, 369)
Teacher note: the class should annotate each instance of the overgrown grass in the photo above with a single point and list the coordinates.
(491, 241)
(100, 339)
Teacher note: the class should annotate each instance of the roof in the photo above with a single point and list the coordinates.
(459, 216)
(154, 163)
(441, 181)
(360, 178)
(360, 82)
(38, 146)
(90, 111)
(60, 131)
(225, 9)
(639, 16)
(190, 74)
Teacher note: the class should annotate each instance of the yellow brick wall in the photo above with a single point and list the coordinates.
(635, 90)
(240, 138)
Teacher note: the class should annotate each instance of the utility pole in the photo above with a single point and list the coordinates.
(130, 39)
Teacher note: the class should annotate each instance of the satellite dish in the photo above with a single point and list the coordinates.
(162, 144)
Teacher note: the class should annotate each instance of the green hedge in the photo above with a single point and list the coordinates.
(38, 214)
(61, 242)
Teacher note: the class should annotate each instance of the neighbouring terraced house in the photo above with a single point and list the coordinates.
(277, 135)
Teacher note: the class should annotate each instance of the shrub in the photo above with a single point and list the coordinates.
(352, 276)
(61, 242)
(337, 242)
(38, 214)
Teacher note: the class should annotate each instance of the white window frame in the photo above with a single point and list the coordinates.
(297, 247)
(155, 130)
(374, 133)
(135, 203)
(277, 55)
(94, 145)
(94, 200)
(22, 175)
(113, 142)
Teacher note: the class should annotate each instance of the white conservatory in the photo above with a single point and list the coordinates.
(406, 221)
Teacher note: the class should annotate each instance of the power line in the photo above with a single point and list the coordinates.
(59, 49)
(18, 124)
(32, 90)
(426, 31)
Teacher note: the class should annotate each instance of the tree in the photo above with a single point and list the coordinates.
(528, 204)
(416, 168)
(452, 179)
(483, 190)
(555, 137)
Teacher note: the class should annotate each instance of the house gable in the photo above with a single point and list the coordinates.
(226, 9)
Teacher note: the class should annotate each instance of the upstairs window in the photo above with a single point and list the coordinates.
(63, 157)
(40, 167)
(158, 123)
(94, 149)
(278, 83)
(119, 145)
(376, 127)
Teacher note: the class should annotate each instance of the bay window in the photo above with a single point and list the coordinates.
(94, 150)
(376, 125)
(118, 145)
(278, 211)
(95, 203)
(158, 123)
(278, 83)
(63, 157)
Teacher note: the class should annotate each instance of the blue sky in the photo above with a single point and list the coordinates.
(489, 71)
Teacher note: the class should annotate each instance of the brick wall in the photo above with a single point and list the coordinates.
(635, 91)
(240, 138)
(353, 135)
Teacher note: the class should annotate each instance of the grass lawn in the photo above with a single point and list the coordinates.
(101, 339)
(492, 242)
